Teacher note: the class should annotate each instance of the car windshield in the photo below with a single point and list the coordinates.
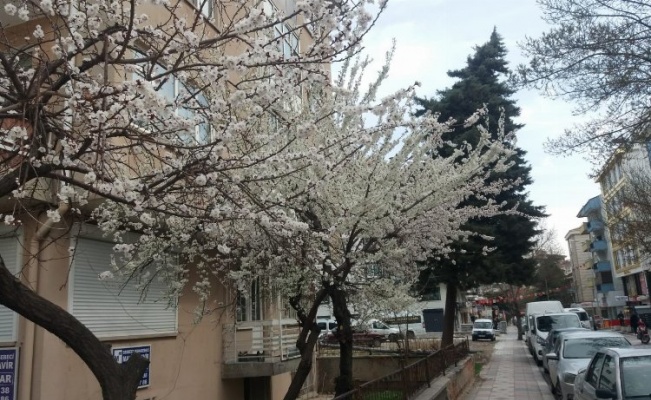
(546, 323)
(587, 347)
(583, 316)
(636, 375)
(483, 325)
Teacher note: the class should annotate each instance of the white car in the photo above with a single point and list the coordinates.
(615, 374)
(572, 352)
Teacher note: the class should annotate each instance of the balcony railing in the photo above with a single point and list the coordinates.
(598, 245)
(259, 348)
(605, 287)
(601, 266)
(595, 226)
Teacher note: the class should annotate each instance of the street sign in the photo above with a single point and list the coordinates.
(8, 372)
(122, 355)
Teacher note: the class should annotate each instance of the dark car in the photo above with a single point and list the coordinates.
(360, 338)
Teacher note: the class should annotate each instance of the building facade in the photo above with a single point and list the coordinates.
(630, 264)
(607, 291)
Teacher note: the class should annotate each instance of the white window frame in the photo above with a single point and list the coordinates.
(104, 330)
(14, 268)
(205, 7)
(248, 307)
(197, 137)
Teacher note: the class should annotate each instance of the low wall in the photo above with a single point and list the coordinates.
(365, 368)
(452, 384)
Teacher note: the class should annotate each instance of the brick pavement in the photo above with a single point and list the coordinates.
(510, 374)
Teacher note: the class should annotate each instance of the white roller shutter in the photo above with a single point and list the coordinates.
(107, 307)
(10, 252)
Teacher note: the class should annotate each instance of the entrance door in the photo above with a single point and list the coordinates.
(433, 319)
(258, 388)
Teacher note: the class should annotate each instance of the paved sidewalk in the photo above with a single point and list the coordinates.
(510, 374)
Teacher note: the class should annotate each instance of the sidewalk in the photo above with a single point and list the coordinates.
(510, 374)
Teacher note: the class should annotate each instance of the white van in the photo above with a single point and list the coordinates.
(585, 318)
(538, 307)
(543, 323)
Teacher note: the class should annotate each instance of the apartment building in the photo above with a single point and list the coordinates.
(245, 349)
(630, 264)
(595, 263)
(582, 278)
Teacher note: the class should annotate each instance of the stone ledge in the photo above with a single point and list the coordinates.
(451, 385)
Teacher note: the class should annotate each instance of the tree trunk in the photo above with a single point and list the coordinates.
(448, 316)
(305, 342)
(344, 382)
(304, 367)
(118, 381)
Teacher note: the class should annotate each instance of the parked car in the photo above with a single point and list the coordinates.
(616, 374)
(572, 352)
(361, 337)
(535, 308)
(583, 315)
(543, 324)
(483, 329)
(551, 340)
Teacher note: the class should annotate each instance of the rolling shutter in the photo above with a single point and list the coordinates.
(109, 307)
(10, 252)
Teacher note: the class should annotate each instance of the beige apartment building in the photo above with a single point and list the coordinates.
(244, 350)
(581, 261)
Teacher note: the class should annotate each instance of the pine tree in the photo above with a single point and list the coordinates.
(481, 83)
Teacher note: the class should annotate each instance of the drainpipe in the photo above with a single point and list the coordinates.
(29, 343)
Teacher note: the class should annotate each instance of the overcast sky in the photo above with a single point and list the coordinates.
(434, 36)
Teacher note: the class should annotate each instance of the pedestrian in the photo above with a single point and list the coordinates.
(473, 318)
(634, 320)
(620, 317)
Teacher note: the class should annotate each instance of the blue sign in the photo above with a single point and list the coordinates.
(8, 373)
(122, 354)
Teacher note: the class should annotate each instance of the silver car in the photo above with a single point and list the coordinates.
(620, 374)
(572, 352)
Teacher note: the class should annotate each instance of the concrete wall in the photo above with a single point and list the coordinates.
(364, 369)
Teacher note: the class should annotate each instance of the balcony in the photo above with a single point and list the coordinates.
(605, 287)
(598, 245)
(601, 266)
(259, 348)
(595, 226)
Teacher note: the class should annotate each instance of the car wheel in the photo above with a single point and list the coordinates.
(493, 339)
(393, 337)
(377, 343)
(411, 335)
(474, 338)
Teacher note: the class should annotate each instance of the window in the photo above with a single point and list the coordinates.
(205, 7)
(434, 294)
(10, 250)
(287, 40)
(608, 380)
(249, 305)
(635, 375)
(594, 370)
(114, 307)
(175, 91)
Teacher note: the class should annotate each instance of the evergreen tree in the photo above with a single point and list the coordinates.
(479, 84)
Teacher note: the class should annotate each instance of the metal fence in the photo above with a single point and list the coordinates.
(404, 383)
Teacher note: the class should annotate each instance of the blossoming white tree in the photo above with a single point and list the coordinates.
(227, 146)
